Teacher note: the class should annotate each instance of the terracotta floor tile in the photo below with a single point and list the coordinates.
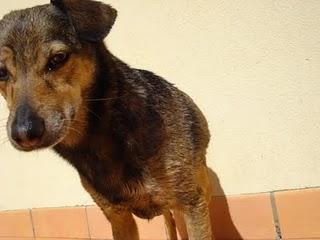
(62, 239)
(238, 217)
(16, 224)
(299, 213)
(243, 217)
(99, 226)
(60, 222)
(153, 229)
(15, 238)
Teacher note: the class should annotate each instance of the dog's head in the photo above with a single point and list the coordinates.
(47, 60)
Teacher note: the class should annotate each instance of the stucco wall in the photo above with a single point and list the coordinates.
(253, 66)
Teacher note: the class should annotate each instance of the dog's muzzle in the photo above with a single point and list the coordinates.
(27, 127)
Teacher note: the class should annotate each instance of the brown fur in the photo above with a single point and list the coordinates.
(138, 143)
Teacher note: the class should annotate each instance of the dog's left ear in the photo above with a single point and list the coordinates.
(92, 20)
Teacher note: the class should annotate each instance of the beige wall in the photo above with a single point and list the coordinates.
(252, 66)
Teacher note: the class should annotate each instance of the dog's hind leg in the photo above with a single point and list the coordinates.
(196, 207)
(198, 220)
(170, 225)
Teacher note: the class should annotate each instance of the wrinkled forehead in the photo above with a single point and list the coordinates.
(26, 31)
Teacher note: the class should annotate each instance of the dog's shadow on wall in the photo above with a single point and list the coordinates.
(222, 224)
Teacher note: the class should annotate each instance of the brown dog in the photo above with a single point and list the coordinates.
(138, 143)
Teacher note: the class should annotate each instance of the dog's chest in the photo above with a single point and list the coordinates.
(139, 200)
(149, 201)
(129, 189)
(143, 201)
(146, 207)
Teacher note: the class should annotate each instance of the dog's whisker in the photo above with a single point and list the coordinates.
(75, 130)
(93, 113)
(102, 99)
(74, 120)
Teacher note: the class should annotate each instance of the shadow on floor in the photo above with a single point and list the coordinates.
(222, 224)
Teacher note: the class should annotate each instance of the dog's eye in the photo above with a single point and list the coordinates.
(4, 74)
(57, 60)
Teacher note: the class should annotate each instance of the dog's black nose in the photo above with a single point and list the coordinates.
(27, 127)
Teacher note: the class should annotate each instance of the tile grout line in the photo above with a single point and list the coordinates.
(275, 214)
(87, 219)
(31, 218)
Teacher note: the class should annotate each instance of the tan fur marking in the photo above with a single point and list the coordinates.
(202, 179)
(7, 61)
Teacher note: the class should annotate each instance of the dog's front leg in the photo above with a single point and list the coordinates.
(123, 224)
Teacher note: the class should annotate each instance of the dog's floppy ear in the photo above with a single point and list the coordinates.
(92, 20)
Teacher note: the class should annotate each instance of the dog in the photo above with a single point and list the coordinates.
(138, 143)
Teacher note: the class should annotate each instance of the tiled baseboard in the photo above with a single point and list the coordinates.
(289, 214)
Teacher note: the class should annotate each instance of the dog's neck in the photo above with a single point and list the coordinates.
(122, 129)
(103, 133)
